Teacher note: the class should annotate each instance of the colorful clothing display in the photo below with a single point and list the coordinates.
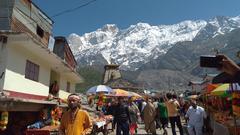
(236, 103)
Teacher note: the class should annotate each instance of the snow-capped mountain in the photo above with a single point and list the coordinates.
(140, 43)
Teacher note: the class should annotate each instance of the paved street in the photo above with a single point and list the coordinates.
(141, 131)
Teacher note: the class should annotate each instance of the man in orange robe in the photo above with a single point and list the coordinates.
(75, 121)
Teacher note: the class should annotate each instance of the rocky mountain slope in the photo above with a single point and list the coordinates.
(165, 51)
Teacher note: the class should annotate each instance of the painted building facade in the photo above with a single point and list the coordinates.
(28, 65)
(30, 69)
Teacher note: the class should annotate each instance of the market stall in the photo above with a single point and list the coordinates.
(101, 124)
(47, 130)
(104, 99)
(48, 123)
(222, 106)
(101, 118)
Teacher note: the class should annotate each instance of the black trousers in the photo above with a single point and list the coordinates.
(176, 120)
(122, 126)
(164, 122)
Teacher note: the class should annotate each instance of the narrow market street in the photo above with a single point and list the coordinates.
(126, 67)
(141, 131)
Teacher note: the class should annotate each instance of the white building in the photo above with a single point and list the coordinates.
(29, 59)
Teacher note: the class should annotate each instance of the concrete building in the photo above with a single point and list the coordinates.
(32, 61)
(27, 62)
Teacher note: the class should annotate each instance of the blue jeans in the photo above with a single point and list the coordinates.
(123, 126)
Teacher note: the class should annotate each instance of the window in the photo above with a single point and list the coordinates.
(31, 71)
(68, 87)
(40, 31)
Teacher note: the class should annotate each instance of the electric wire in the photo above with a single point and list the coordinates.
(73, 9)
(66, 11)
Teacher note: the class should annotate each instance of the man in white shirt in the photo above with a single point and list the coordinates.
(196, 116)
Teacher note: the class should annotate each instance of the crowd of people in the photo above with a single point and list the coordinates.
(153, 112)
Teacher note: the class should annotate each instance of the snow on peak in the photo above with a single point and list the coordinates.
(142, 25)
(111, 28)
(142, 42)
(237, 18)
(222, 24)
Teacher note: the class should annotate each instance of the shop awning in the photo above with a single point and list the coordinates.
(18, 104)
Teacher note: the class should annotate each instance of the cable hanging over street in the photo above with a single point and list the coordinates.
(73, 9)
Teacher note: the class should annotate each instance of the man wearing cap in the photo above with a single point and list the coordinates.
(196, 116)
(75, 121)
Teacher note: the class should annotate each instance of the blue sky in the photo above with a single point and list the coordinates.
(127, 12)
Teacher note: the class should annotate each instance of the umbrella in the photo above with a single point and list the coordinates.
(135, 95)
(211, 87)
(221, 90)
(225, 89)
(124, 93)
(99, 88)
(120, 93)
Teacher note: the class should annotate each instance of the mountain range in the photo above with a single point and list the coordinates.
(163, 56)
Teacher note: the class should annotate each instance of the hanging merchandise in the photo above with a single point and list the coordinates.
(56, 114)
(100, 100)
(236, 103)
(104, 99)
(3, 120)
